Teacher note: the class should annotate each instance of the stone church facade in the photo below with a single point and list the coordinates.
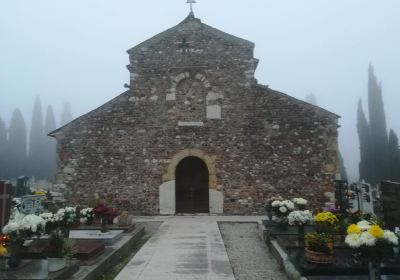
(195, 132)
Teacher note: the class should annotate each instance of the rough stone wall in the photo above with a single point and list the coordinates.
(193, 87)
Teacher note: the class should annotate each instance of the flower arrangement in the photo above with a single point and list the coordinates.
(24, 226)
(319, 242)
(3, 250)
(86, 215)
(300, 202)
(326, 217)
(103, 211)
(62, 219)
(370, 240)
(300, 218)
(282, 208)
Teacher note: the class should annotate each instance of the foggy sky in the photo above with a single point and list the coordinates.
(75, 50)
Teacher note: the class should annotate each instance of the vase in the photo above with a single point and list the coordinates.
(3, 263)
(15, 258)
(374, 270)
(56, 264)
(283, 225)
(318, 257)
(300, 235)
(104, 222)
(110, 220)
(89, 221)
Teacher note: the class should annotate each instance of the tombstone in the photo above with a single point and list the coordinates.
(363, 199)
(5, 203)
(32, 204)
(341, 195)
(390, 203)
(22, 186)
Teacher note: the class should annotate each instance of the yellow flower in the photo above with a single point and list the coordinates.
(353, 228)
(326, 217)
(3, 251)
(376, 231)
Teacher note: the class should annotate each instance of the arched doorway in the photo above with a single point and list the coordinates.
(192, 191)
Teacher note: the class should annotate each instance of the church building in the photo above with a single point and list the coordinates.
(196, 133)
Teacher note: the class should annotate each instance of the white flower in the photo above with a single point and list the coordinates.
(300, 218)
(282, 209)
(300, 201)
(367, 239)
(288, 204)
(353, 240)
(276, 203)
(364, 225)
(83, 220)
(11, 227)
(391, 237)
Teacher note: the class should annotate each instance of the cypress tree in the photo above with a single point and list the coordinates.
(393, 157)
(342, 168)
(17, 146)
(310, 98)
(36, 141)
(66, 115)
(364, 166)
(378, 130)
(3, 147)
(50, 160)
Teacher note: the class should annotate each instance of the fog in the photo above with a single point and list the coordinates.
(76, 51)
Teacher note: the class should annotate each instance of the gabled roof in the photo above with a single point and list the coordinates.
(190, 23)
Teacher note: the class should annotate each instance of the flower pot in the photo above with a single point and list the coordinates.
(56, 264)
(318, 257)
(3, 264)
(15, 258)
(374, 270)
(104, 222)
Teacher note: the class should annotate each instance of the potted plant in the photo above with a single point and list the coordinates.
(300, 203)
(319, 248)
(300, 218)
(105, 213)
(59, 250)
(325, 222)
(3, 253)
(18, 230)
(281, 209)
(86, 216)
(371, 244)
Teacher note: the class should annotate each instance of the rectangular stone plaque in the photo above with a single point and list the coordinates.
(32, 204)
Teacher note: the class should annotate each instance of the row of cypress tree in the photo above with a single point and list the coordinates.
(36, 157)
(379, 150)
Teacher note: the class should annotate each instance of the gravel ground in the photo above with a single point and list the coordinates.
(248, 254)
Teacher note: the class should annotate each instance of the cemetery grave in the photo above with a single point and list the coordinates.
(94, 245)
(356, 245)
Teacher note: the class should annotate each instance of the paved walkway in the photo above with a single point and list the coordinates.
(184, 247)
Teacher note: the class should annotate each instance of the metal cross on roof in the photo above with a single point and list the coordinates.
(191, 2)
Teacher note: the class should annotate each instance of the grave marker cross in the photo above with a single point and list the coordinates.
(5, 203)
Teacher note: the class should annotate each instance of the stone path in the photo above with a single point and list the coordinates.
(248, 254)
(184, 247)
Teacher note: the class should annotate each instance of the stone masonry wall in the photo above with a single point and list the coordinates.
(193, 87)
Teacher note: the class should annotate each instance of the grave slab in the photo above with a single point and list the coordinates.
(38, 270)
(108, 238)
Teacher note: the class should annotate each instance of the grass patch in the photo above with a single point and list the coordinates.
(124, 259)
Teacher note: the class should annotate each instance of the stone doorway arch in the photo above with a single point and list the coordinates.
(191, 186)
(167, 191)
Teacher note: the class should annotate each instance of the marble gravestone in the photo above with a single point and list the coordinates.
(32, 204)
(5, 203)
